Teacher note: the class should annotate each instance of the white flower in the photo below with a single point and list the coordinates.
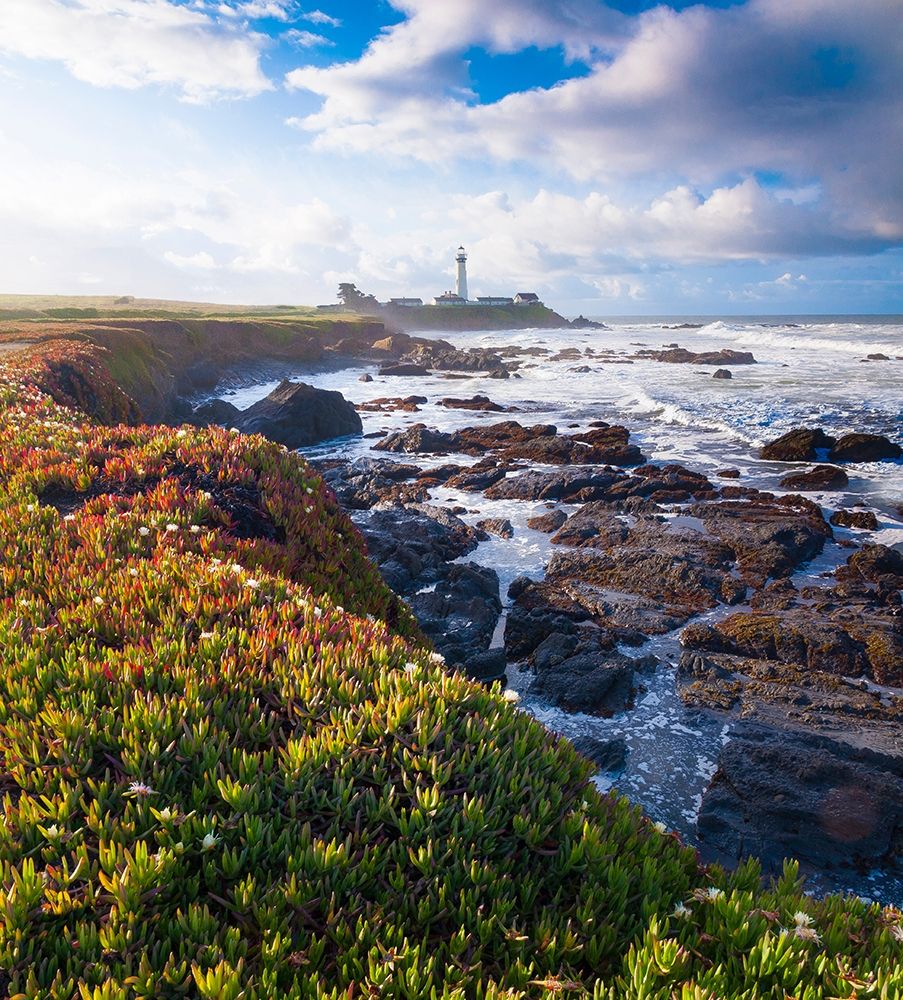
(806, 933)
(69, 517)
(437, 658)
(896, 932)
(53, 832)
(802, 919)
(140, 789)
(708, 895)
(206, 635)
(410, 667)
(682, 911)
(98, 599)
(236, 569)
(511, 696)
(309, 491)
(318, 612)
(660, 826)
(195, 529)
(172, 527)
(133, 571)
(253, 584)
(209, 842)
(144, 532)
(30, 508)
(181, 433)
(165, 815)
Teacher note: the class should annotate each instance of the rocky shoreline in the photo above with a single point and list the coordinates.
(809, 679)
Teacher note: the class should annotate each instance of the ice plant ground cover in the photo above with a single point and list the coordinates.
(231, 768)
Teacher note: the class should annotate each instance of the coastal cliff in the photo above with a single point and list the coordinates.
(233, 767)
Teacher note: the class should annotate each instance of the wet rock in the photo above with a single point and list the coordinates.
(478, 477)
(680, 355)
(443, 356)
(411, 545)
(728, 473)
(577, 450)
(404, 368)
(582, 323)
(298, 415)
(461, 613)
(391, 404)
(366, 377)
(487, 666)
(362, 484)
(779, 795)
(595, 683)
(800, 445)
(865, 520)
(608, 755)
(418, 439)
(501, 373)
(821, 477)
(217, 412)
(501, 436)
(864, 448)
(566, 485)
(877, 357)
(768, 537)
(483, 403)
(547, 522)
(500, 526)
(723, 373)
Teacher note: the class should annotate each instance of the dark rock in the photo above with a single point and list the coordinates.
(547, 522)
(582, 323)
(728, 473)
(500, 373)
(477, 478)
(680, 355)
(487, 666)
(878, 357)
(411, 545)
(366, 482)
(608, 755)
(501, 436)
(595, 683)
(865, 520)
(567, 485)
(461, 613)
(366, 377)
(497, 526)
(864, 448)
(404, 369)
(483, 403)
(418, 439)
(298, 415)
(822, 477)
(216, 411)
(801, 445)
(392, 404)
(775, 796)
(723, 373)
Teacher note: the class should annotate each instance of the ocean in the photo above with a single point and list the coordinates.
(810, 372)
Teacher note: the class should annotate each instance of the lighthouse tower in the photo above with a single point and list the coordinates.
(461, 260)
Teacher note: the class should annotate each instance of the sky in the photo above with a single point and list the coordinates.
(616, 158)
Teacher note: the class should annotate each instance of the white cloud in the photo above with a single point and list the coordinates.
(306, 39)
(135, 43)
(319, 17)
(808, 89)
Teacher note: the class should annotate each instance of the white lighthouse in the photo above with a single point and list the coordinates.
(461, 260)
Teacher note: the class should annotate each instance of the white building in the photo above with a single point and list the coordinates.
(461, 284)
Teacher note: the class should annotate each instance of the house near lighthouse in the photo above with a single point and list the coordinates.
(460, 296)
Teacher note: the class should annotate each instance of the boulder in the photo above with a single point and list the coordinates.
(483, 403)
(404, 369)
(547, 522)
(366, 377)
(216, 411)
(364, 483)
(500, 526)
(864, 448)
(821, 477)
(778, 795)
(800, 445)
(723, 373)
(418, 439)
(680, 355)
(608, 755)
(298, 415)
(865, 520)
(595, 683)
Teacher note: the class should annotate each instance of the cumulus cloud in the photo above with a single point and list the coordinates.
(809, 89)
(134, 43)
